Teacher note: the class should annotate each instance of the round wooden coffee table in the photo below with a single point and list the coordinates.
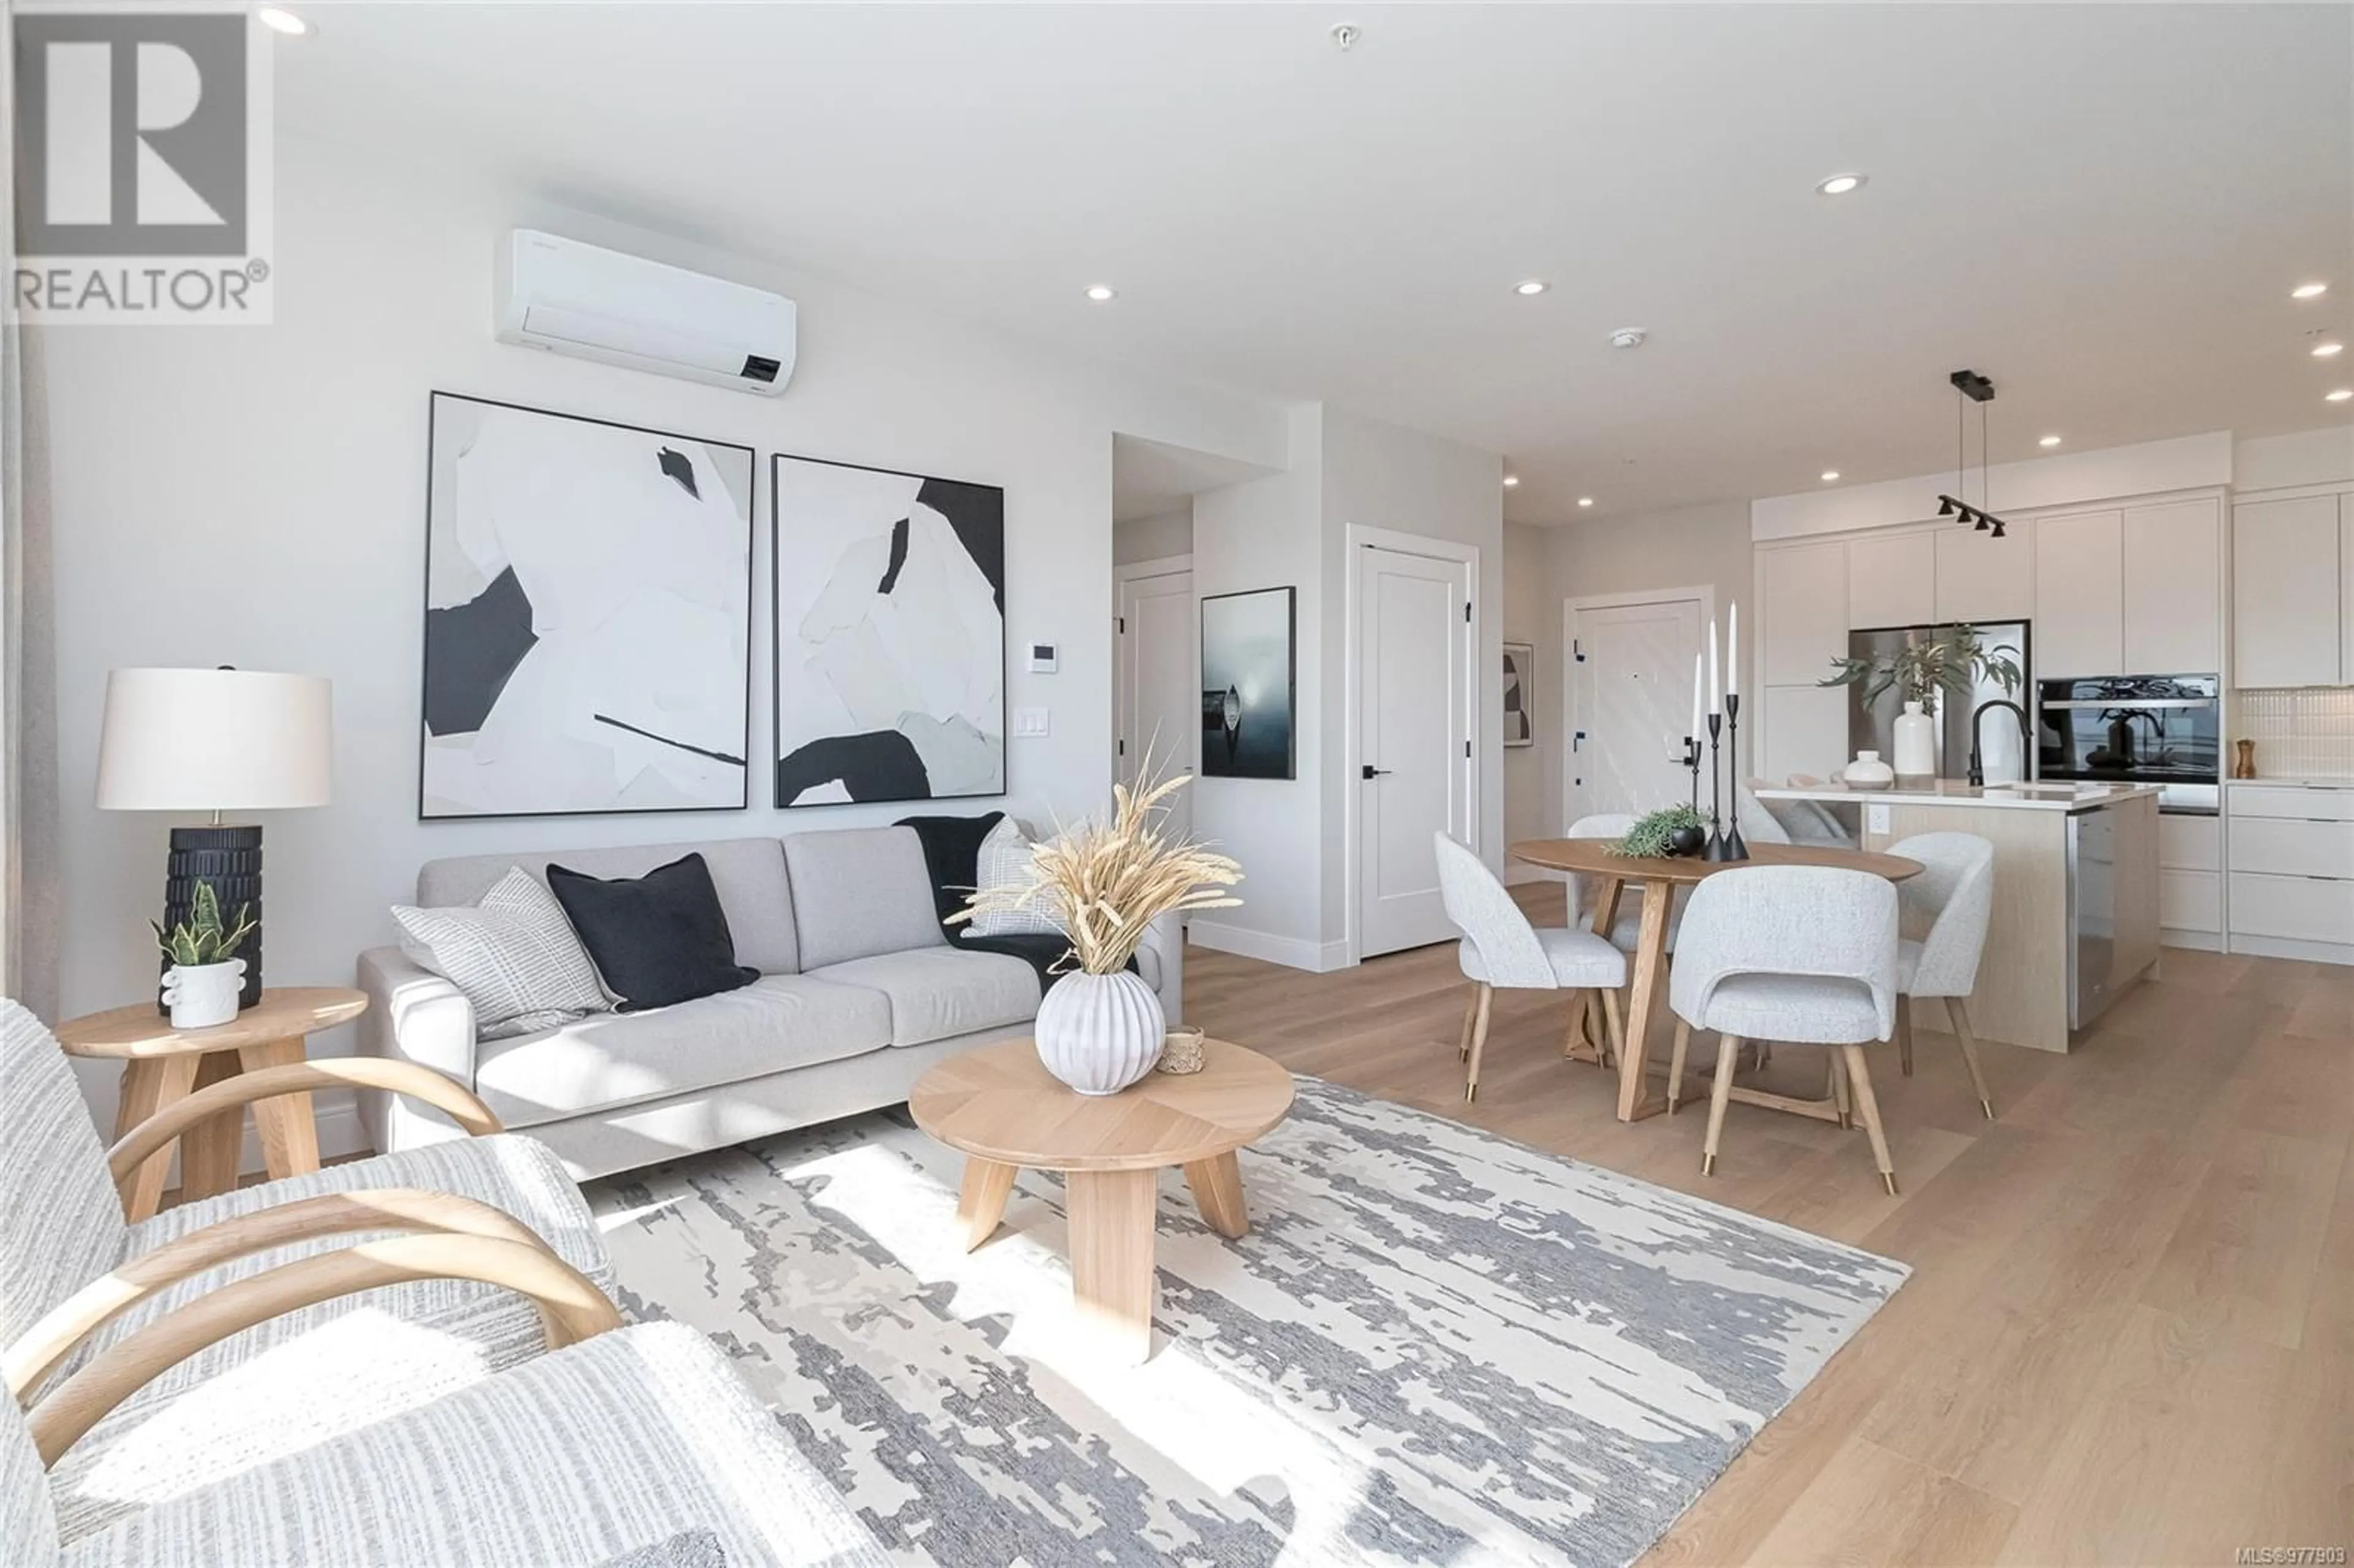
(1005, 1111)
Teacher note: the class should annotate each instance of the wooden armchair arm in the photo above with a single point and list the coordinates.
(571, 1308)
(460, 1105)
(41, 1348)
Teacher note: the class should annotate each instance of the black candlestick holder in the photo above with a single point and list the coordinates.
(1734, 849)
(1692, 765)
(1716, 850)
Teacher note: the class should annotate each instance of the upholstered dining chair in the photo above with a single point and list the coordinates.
(1500, 948)
(1795, 954)
(1948, 905)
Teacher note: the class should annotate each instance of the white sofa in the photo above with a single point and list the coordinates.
(859, 993)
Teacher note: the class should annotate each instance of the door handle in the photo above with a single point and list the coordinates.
(1373, 772)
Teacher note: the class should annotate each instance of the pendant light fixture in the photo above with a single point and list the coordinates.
(1970, 388)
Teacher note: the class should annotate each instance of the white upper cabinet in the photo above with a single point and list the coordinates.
(2286, 585)
(1891, 582)
(2173, 589)
(1981, 578)
(1803, 620)
(2080, 595)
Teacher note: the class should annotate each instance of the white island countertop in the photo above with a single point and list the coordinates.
(1954, 792)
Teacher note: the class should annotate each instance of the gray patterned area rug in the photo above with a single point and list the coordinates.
(1433, 1345)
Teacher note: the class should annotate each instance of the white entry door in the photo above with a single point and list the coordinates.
(1159, 694)
(1630, 676)
(1414, 695)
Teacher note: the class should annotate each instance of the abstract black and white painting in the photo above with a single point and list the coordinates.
(890, 634)
(589, 617)
(1520, 694)
(1248, 674)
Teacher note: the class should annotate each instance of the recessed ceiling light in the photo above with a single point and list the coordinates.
(2328, 348)
(2340, 396)
(1102, 292)
(1531, 286)
(1841, 185)
(1586, 501)
(2308, 291)
(1830, 474)
(1512, 480)
(2048, 442)
(282, 21)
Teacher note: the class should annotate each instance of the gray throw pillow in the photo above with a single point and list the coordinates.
(1004, 862)
(514, 955)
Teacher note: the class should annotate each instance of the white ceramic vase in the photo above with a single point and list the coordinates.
(1868, 772)
(1916, 744)
(1100, 1032)
(202, 995)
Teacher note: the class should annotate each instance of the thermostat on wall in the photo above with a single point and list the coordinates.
(1041, 658)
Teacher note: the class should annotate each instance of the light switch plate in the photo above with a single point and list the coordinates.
(1875, 817)
(1032, 722)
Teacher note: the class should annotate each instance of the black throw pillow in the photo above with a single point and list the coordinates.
(656, 939)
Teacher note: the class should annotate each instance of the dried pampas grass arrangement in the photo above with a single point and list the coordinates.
(1109, 882)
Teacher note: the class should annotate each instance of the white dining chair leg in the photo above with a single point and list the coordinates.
(1719, 1094)
(1904, 1034)
(1479, 1040)
(1961, 1019)
(1675, 1064)
(1617, 1026)
(1471, 1014)
(1576, 1031)
(1867, 1106)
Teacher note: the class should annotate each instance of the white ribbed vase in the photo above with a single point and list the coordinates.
(1916, 744)
(1100, 1032)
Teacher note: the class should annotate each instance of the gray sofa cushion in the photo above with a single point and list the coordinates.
(748, 873)
(619, 1059)
(937, 992)
(858, 892)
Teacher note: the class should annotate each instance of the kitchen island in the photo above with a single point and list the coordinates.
(2076, 890)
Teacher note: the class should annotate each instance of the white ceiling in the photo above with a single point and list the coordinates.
(2103, 208)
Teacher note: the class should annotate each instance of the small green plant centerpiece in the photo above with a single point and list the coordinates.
(1957, 662)
(207, 976)
(1672, 830)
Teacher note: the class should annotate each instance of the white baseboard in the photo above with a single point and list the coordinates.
(1291, 952)
(2288, 948)
(2203, 942)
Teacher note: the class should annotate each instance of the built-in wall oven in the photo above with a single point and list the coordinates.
(2166, 730)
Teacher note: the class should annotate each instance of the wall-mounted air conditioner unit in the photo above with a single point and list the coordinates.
(569, 298)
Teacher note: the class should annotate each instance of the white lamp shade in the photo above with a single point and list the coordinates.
(214, 741)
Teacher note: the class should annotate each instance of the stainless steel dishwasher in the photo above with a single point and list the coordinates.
(2091, 915)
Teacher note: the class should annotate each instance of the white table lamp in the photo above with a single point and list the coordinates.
(216, 740)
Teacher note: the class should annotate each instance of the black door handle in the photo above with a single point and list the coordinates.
(1373, 772)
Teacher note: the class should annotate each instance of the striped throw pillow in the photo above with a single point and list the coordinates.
(1004, 862)
(514, 955)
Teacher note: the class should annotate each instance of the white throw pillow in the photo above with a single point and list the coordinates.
(1004, 862)
(514, 955)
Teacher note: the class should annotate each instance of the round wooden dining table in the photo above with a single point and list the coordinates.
(1659, 876)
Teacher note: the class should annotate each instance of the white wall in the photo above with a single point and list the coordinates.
(1154, 538)
(2308, 457)
(257, 497)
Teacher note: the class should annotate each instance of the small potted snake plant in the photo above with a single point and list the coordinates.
(203, 985)
(1100, 1028)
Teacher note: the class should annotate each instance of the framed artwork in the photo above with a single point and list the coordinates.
(1519, 693)
(1249, 680)
(588, 617)
(890, 634)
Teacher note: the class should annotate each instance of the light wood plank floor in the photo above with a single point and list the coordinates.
(2129, 1337)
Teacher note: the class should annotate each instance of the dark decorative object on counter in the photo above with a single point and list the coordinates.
(2244, 765)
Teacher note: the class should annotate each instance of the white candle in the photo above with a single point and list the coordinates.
(1697, 695)
(1715, 690)
(1733, 653)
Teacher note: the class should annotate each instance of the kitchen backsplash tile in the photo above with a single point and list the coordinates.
(2301, 732)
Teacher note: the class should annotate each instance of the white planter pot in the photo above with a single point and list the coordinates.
(1868, 772)
(1916, 744)
(201, 995)
(1100, 1032)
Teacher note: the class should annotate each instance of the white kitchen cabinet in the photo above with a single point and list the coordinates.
(1803, 615)
(2080, 595)
(1891, 582)
(2292, 876)
(1804, 732)
(2173, 593)
(1981, 578)
(2291, 909)
(2288, 581)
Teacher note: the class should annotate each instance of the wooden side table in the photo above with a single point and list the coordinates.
(1005, 1110)
(161, 1064)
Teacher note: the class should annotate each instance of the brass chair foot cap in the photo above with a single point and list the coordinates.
(1888, 1179)
(1708, 1164)
(1988, 1106)
(1472, 1093)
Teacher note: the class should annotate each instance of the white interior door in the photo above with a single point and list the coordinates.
(1630, 676)
(1414, 740)
(1159, 691)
